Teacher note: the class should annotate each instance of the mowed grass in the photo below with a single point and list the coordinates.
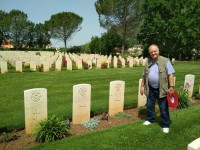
(135, 136)
(59, 87)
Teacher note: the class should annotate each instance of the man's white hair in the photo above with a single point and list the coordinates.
(154, 45)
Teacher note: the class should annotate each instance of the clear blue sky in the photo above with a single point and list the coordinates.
(39, 11)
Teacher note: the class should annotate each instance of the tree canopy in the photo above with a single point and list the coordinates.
(63, 25)
(107, 43)
(172, 25)
(23, 33)
(119, 13)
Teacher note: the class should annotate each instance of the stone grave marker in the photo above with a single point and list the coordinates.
(35, 104)
(130, 60)
(4, 67)
(79, 64)
(189, 83)
(45, 66)
(58, 65)
(18, 66)
(123, 62)
(115, 62)
(142, 99)
(98, 64)
(108, 63)
(194, 145)
(89, 63)
(32, 65)
(116, 97)
(81, 103)
(69, 64)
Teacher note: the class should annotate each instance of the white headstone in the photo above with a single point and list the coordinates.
(173, 60)
(81, 103)
(35, 104)
(116, 97)
(189, 83)
(45, 66)
(18, 66)
(58, 65)
(98, 64)
(69, 64)
(79, 64)
(194, 145)
(4, 66)
(89, 63)
(107, 62)
(130, 62)
(33, 65)
(123, 62)
(115, 62)
(142, 99)
(174, 81)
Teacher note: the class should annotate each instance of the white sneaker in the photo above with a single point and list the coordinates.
(166, 130)
(146, 123)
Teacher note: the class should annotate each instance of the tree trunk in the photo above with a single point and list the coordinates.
(65, 42)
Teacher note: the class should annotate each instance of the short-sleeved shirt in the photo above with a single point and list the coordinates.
(154, 73)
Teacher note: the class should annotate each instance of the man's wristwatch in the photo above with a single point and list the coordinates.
(171, 87)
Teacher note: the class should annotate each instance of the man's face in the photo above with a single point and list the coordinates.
(153, 51)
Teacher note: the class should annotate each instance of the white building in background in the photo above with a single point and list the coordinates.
(136, 50)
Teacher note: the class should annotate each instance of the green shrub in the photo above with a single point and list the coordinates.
(183, 98)
(91, 124)
(7, 137)
(85, 65)
(51, 130)
(27, 70)
(122, 115)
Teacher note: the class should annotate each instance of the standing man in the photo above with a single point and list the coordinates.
(157, 80)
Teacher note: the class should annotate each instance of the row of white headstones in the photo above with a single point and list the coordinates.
(35, 101)
(47, 59)
(35, 104)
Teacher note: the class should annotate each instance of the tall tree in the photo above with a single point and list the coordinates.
(2, 26)
(41, 36)
(95, 45)
(172, 25)
(17, 22)
(63, 25)
(110, 41)
(118, 13)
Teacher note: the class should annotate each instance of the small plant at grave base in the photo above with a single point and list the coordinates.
(105, 116)
(27, 70)
(74, 65)
(40, 68)
(11, 68)
(64, 61)
(90, 124)
(94, 65)
(119, 63)
(7, 137)
(85, 65)
(122, 115)
(104, 65)
(51, 130)
(197, 96)
(183, 97)
(127, 63)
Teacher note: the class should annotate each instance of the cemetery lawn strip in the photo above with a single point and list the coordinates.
(124, 134)
(59, 87)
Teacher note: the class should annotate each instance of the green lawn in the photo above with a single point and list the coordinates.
(135, 136)
(59, 87)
